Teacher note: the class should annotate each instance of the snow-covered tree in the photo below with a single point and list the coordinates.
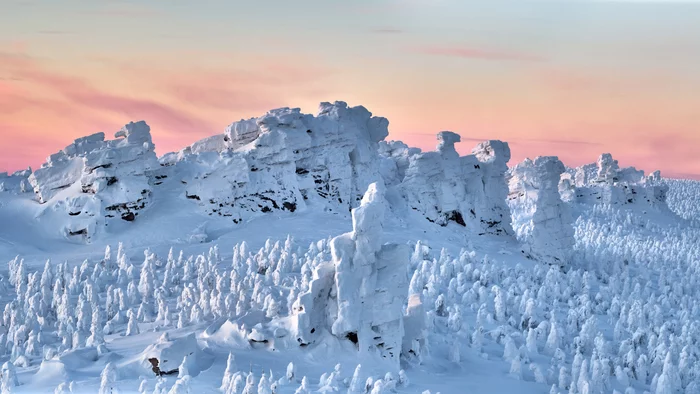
(108, 380)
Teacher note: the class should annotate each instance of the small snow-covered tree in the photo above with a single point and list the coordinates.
(250, 387)
(132, 327)
(510, 350)
(181, 386)
(563, 380)
(356, 381)
(531, 342)
(229, 372)
(403, 379)
(516, 368)
(264, 385)
(304, 387)
(183, 369)
(108, 380)
(291, 372)
(161, 386)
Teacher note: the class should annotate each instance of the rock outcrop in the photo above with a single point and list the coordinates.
(102, 178)
(605, 182)
(541, 220)
(362, 290)
(284, 160)
(17, 182)
(468, 190)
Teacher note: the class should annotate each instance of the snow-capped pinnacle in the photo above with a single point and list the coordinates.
(492, 151)
(446, 144)
(368, 217)
(608, 169)
(542, 221)
(361, 291)
(135, 133)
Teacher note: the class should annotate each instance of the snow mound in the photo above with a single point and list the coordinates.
(93, 179)
(468, 190)
(166, 356)
(541, 219)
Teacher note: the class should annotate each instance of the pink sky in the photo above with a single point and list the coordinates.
(601, 85)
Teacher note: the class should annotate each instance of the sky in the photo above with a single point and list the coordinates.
(571, 78)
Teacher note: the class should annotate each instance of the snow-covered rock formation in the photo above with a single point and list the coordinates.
(469, 190)
(605, 182)
(94, 178)
(284, 159)
(541, 219)
(17, 182)
(363, 289)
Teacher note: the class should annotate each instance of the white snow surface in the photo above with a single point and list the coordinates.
(297, 253)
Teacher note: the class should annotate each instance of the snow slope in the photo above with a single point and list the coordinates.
(303, 253)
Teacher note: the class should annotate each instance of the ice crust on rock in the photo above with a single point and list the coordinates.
(110, 176)
(604, 182)
(469, 190)
(542, 221)
(361, 291)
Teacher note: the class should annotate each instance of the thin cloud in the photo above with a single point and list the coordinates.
(387, 30)
(556, 141)
(88, 98)
(477, 54)
(56, 32)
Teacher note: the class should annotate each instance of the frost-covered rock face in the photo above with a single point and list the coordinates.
(605, 182)
(362, 292)
(100, 178)
(541, 219)
(284, 159)
(469, 190)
